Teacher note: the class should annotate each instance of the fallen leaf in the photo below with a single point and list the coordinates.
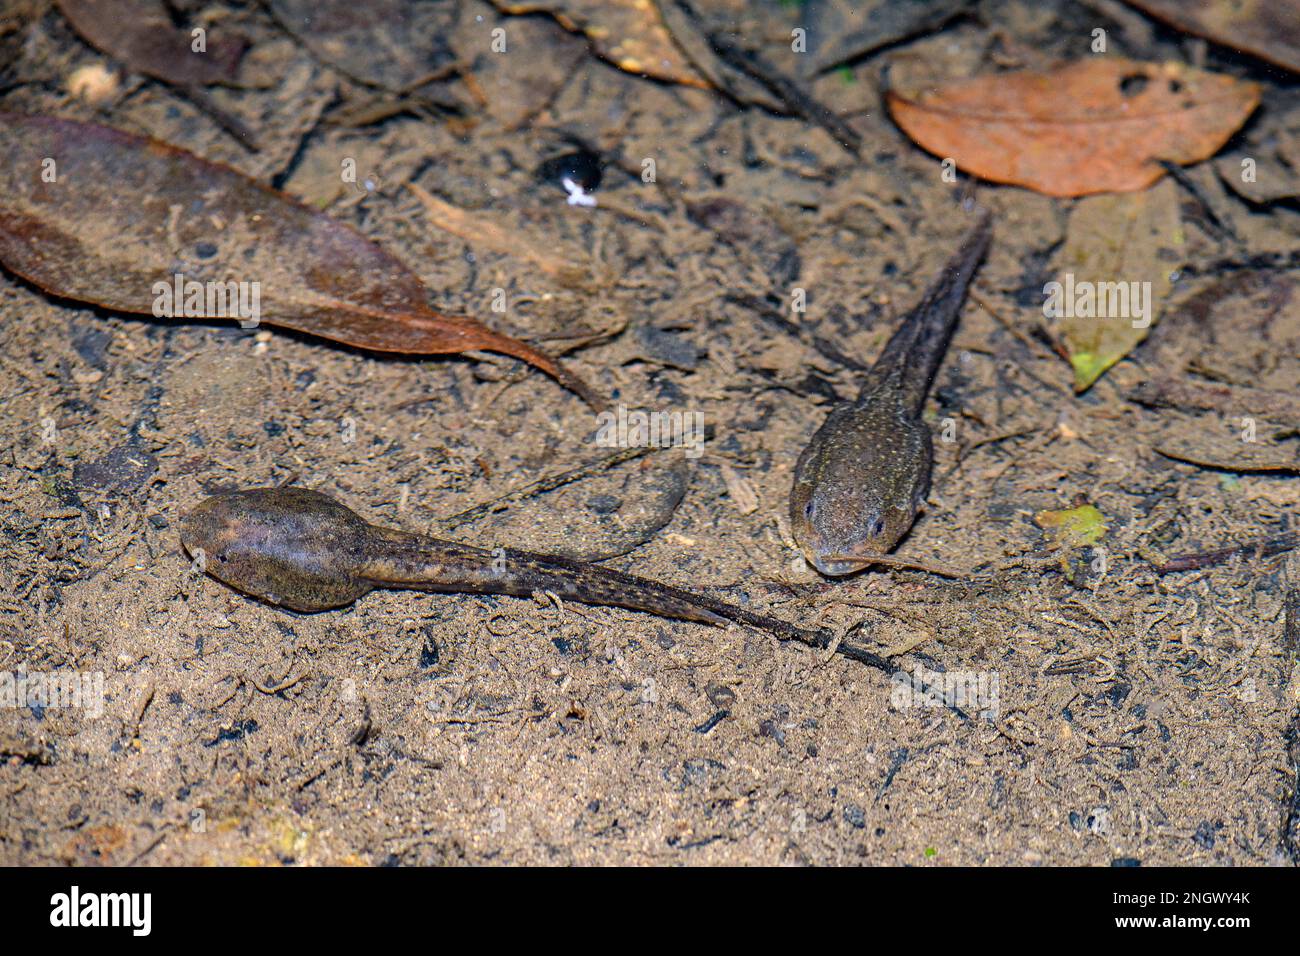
(1262, 166)
(1227, 452)
(390, 44)
(1230, 400)
(98, 215)
(515, 90)
(1270, 29)
(140, 34)
(840, 31)
(1113, 276)
(740, 490)
(1092, 126)
(629, 33)
(1073, 528)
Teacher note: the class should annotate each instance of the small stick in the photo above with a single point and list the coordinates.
(1266, 548)
(227, 121)
(550, 482)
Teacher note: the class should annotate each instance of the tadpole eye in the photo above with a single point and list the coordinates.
(809, 508)
(877, 526)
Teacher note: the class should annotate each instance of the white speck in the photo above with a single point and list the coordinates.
(577, 195)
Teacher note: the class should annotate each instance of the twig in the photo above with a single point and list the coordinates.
(794, 99)
(550, 482)
(233, 126)
(1263, 548)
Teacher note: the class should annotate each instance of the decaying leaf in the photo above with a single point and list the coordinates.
(740, 490)
(390, 44)
(1223, 451)
(94, 214)
(1073, 528)
(1112, 276)
(1183, 393)
(1069, 532)
(843, 30)
(1264, 166)
(515, 88)
(629, 33)
(1270, 29)
(1092, 126)
(140, 34)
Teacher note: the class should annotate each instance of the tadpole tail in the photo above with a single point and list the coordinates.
(916, 350)
(463, 568)
(510, 571)
(596, 584)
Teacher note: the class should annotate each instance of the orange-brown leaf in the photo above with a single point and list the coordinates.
(1092, 126)
(98, 215)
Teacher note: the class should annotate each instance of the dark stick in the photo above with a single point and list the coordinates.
(790, 94)
(1266, 548)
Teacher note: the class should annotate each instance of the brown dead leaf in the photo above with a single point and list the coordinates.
(1223, 450)
(1270, 29)
(140, 34)
(629, 33)
(740, 490)
(97, 215)
(1091, 126)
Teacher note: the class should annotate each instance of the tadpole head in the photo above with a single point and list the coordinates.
(228, 537)
(210, 528)
(286, 546)
(839, 528)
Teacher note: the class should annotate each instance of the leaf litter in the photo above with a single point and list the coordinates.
(125, 219)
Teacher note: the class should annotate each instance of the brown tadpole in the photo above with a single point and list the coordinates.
(865, 474)
(303, 550)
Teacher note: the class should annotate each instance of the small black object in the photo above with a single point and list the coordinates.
(582, 167)
(429, 652)
(713, 721)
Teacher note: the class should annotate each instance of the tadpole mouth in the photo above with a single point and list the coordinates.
(838, 565)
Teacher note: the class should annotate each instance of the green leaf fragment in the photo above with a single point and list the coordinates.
(1074, 527)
